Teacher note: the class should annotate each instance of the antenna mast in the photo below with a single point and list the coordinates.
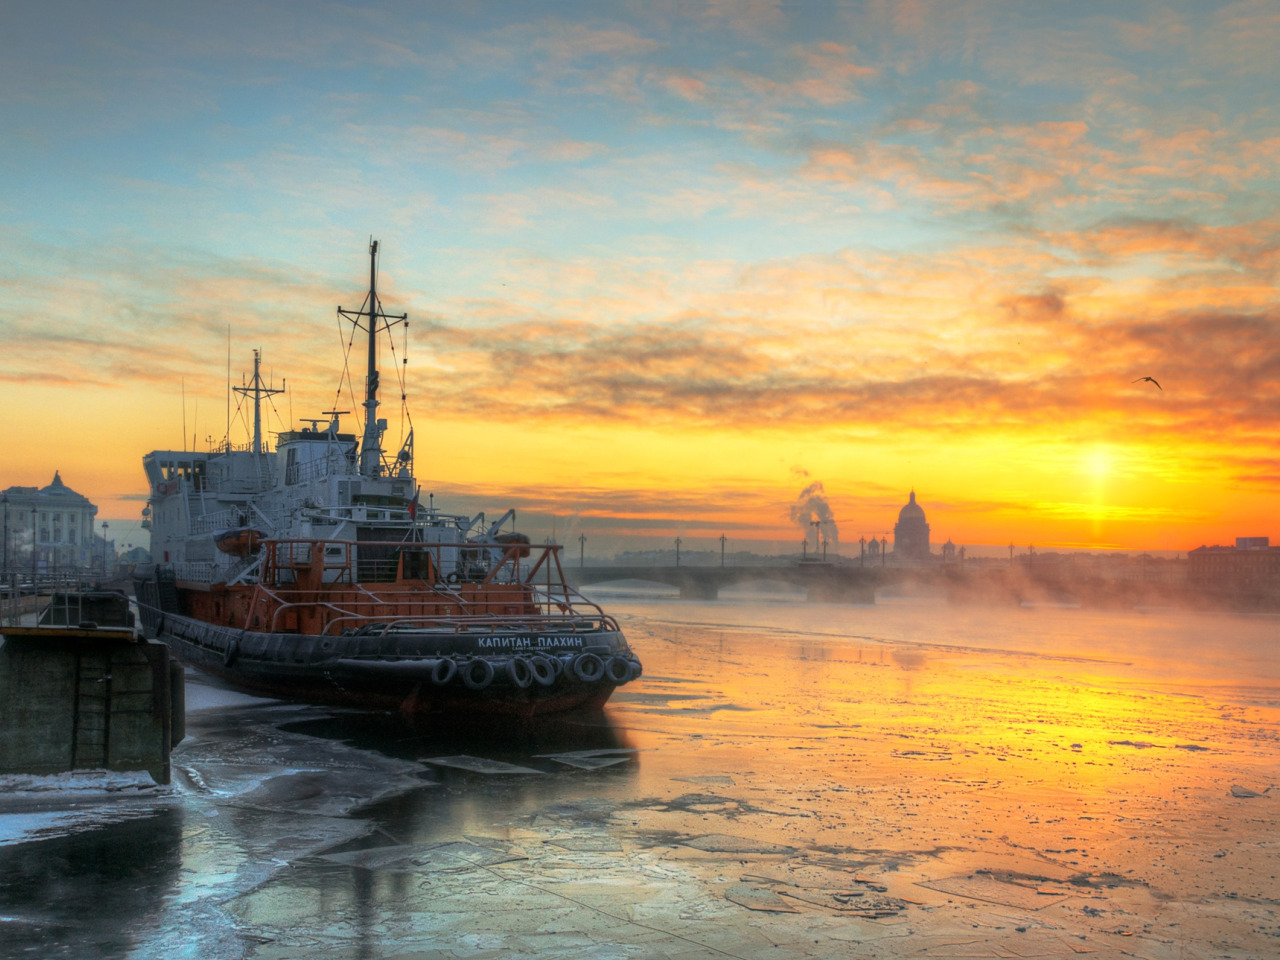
(371, 446)
(258, 390)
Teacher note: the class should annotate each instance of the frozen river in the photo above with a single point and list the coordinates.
(787, 780)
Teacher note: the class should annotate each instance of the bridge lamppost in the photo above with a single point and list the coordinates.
(677, 551)
(722, 540)
(884, 549)
(104, 549)
(582, 550)
(862, 551)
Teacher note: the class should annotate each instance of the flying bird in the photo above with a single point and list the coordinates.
(1152, 379)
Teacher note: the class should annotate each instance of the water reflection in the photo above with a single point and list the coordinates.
(406, 738)
(433, 855)
(100, 892)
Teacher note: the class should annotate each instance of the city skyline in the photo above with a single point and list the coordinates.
(668, 266)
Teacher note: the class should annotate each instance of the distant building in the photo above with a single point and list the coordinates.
(49, 529)
(135, 555)
(911, 533)
(1252, 566)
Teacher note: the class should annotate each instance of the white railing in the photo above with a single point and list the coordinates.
(199, 571)
(334, 464)
(212, 522)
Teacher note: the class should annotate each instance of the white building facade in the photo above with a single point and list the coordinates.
(49, 530)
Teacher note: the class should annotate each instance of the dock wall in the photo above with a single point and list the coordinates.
(76, 702)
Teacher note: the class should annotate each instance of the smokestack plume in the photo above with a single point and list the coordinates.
(812, 506)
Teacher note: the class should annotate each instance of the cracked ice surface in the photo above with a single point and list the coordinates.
(787, 780)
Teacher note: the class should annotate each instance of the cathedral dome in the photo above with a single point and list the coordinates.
(912, 510)
(911, 533)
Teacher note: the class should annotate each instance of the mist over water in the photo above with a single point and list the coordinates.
(1233, 656)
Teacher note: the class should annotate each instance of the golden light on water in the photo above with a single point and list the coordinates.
(1077, 742)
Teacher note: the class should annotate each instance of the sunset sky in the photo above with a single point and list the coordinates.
(668, 264)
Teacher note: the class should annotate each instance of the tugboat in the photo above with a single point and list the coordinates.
(314, 573)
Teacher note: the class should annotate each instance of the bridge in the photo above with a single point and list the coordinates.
(960, 583)
(848, 583)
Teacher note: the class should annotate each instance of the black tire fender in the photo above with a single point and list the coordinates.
(588, 667)
(477, 674)
(444, 671)
(544, 671)
(520, 672)
(617, 670)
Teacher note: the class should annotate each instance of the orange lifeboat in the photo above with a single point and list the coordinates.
(519, 539)
(239, 541)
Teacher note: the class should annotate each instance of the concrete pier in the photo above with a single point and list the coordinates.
(76, 698)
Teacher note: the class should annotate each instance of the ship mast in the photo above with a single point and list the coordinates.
(371, 445)
(258, 390)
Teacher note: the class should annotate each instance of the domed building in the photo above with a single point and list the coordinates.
(49, 529)
(911, 533)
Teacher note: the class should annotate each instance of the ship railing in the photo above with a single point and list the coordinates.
(381, 514)
(351, 614)
(198, 571)
(213, 522)
(366, 605)
(247, 447)
(447, 563)
(523, 625)
(559, 610)
(332, 463)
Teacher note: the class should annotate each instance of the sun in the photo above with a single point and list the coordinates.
(1099, 464)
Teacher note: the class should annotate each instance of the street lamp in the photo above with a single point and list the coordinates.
(582, 549)
(677, 551)
(722, 540)
(104, 549)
